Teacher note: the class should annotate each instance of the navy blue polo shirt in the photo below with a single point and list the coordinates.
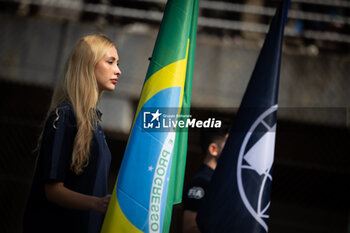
(53, 164)
(196, 189)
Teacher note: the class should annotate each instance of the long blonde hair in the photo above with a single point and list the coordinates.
(79, 87)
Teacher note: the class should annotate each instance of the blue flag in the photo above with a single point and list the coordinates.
(238, 197)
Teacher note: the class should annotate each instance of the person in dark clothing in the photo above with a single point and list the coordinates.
(69, 188)
(212, 144)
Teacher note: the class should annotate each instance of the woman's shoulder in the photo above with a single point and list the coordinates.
(63, 111)
(65, 106)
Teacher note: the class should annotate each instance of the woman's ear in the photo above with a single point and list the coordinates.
(213, 149)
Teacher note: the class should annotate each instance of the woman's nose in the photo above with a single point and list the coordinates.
(117, 71)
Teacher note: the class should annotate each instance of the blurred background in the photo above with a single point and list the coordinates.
(310, 191)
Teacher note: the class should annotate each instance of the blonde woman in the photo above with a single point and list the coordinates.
(69, 189)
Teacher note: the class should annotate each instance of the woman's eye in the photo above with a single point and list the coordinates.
(110, 62)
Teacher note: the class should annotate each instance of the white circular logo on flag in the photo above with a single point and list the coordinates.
(254, 165)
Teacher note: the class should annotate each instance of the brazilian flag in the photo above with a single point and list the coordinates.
(150, 178)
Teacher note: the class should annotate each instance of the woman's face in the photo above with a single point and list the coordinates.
(107, 70)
